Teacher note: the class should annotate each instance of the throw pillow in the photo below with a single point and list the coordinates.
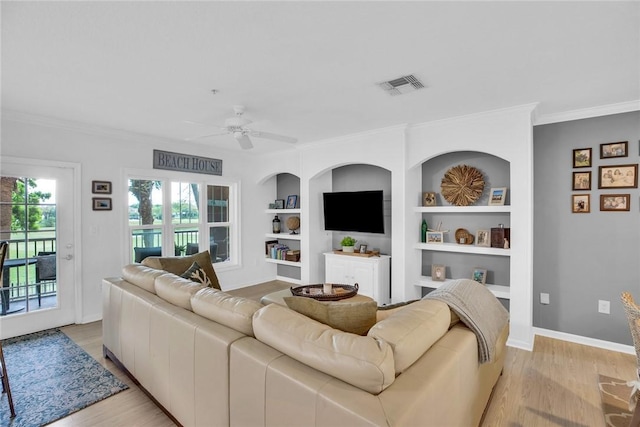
(178, 265)
(197, 274)
(354, 317)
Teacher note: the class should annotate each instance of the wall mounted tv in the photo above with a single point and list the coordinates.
(361, 211)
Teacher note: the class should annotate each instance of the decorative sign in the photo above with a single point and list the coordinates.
(186, 163)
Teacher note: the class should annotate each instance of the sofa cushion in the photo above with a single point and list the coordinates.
(141, 276)
(412, 330)
(234, 312)
(176, 290)
(180, 264)
(354, 317)
(196, 274)
(364, 362)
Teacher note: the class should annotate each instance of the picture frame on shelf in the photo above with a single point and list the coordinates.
(618, 176)
(614, 149)
(479, 275)
(582, 158)
(483, 238)
(438, 272)
(497, 196)
(101, 204)
(615, 202)
(429, 198)
(581, 181)
(292, 200)
(272, 205)
(363, 249)
(581, 203)
(435, 237)
(279, 203)
(101, 187)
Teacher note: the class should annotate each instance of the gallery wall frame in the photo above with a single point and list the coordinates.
(101, 187)
(101, 204)
(581, 203)
(618, 176)
(582, 158)
(614, 149)
(581, 180)
(615, 202)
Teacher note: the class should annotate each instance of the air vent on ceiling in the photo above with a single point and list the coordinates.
(401, 85)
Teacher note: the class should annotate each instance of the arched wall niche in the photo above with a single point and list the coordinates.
(496, 172)
(357, 177)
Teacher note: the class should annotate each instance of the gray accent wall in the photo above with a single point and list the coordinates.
(579, 259)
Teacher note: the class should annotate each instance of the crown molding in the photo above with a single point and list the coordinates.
(70, 125)
(586, 113)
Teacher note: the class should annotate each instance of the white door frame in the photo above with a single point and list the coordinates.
(26, 327)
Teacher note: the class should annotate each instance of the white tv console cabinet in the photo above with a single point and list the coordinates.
(372, 274)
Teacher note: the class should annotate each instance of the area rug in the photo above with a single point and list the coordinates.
(51, 377)
(614, 394)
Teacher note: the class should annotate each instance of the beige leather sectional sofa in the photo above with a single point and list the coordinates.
(211, 359)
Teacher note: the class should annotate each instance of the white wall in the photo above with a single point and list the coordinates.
(401, 150)
(105, 156)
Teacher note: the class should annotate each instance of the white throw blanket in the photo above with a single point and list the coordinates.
(478, 309)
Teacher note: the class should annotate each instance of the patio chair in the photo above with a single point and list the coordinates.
(193, 248)
(45, 271)
(6, 388)
(633, 317)
(142, 253)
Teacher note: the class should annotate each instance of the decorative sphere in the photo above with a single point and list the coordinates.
(293, 223)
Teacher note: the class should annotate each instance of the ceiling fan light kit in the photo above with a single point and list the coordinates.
(236, 126)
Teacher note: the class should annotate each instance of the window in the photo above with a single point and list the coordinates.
(193, 219)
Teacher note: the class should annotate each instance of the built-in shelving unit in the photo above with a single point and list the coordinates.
(458, 257)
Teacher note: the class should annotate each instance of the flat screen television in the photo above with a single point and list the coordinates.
(361, 211)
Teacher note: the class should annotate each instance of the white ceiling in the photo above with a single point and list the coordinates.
(309, 69)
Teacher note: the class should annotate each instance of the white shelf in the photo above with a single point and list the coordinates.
(283, 262)
(283, 211)
(283, 236)
(499, 291)
(463, 209)
(466, 249)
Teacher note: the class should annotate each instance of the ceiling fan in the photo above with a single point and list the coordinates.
(236, 126)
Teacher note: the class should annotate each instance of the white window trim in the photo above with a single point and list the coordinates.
(203, 227)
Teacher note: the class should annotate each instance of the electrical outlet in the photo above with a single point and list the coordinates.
(604, 307)
(544, 298)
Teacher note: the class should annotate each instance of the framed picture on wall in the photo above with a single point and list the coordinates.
(101, 187)
(582, 158)
(614, 149)
(615, 202)
(581, 203)
(101, 203)
(582, 181)
(618, 176)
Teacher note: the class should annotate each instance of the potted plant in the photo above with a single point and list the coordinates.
(179, 249)
(348, 243)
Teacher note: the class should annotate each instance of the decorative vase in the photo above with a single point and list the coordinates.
(348, 249)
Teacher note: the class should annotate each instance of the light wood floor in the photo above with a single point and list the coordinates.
(554, 385)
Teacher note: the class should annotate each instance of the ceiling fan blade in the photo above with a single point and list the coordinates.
(275, 137)
(225, 132)
(244, 142)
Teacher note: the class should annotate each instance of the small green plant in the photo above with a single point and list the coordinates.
(348, 241)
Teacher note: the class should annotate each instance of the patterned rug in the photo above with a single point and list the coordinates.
(614, 394)
(51, 377)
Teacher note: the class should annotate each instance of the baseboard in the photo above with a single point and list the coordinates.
(592, 342)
